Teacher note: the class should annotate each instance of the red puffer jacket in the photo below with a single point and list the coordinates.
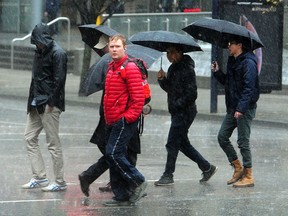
(123, 97)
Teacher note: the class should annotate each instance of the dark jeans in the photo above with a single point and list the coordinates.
(178, 140)
(98, 168)
(243, 126)
(123, 175)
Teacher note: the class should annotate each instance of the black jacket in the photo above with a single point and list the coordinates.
(48, 72)
(180, 86)
(241, 82)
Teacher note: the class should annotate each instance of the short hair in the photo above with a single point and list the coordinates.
(246, 43)
(177, 47)
(118, 37)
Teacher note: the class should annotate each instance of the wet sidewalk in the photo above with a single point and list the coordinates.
(187, 197)
(272, 108)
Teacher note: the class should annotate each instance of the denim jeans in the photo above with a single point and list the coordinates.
(123, 175)
(243, 126)
(178, 140)
(98, 168)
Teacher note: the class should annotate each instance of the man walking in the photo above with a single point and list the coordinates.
(123, 103)
(45, 103)
(181, 88)
(94, 171)
(241, 94)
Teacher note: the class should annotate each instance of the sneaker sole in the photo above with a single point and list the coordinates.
(159, 184)
(243, 186)
(62, 190)
(38, 186)
(34, 187)
(55, 190)
(125, 203)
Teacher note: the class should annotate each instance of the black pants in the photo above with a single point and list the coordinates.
(178, 140)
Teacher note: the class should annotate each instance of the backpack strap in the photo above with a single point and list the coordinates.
(123, 72)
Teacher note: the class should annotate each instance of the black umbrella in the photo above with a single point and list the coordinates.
(95, 76)
(220, 32)
(91, 33)
(161, 40)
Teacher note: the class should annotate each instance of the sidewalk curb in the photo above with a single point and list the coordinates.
(202, 116)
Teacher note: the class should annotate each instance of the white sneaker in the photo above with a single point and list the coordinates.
(36, 183)
(54, 188)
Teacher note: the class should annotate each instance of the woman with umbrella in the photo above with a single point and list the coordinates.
(180, 85)
(241, 94)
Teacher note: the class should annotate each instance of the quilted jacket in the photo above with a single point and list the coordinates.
(123, 97)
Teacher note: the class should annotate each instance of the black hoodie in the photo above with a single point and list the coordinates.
(48, 72)
(180, 85)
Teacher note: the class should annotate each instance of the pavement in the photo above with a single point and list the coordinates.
(186, 197)
(272, 108)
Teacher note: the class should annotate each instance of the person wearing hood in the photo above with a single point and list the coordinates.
(46, 101)
(242, 91)
(180, 85)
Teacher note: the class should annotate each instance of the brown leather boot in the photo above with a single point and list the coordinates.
(238, 172)
(247, 180)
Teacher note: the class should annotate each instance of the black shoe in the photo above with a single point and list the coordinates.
(138, 192)
(206, 175)
(164, 181)
(106, 188)
(84, 184)
(118, 203)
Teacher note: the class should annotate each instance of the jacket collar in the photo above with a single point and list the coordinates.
(114, 65)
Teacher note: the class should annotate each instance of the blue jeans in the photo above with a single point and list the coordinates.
(123, 175)
(178, 140)
(243, 126)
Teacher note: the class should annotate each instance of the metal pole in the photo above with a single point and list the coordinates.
(167, 24)
(69, 27)
(36, 14)
(28, 35)
(128, 27)
(213, 89)
(18, 17)
(185, 21)
(148, 23)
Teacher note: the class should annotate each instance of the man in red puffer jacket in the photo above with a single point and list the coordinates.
(123, 103)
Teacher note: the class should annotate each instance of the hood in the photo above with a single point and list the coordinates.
(251, 56)
(188, 60)
(244, 55)
(40, 34)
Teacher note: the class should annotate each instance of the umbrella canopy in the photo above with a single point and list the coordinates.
(161, 40)
(220, 32)
(95, 76)
(91, 33)
(258, 52)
